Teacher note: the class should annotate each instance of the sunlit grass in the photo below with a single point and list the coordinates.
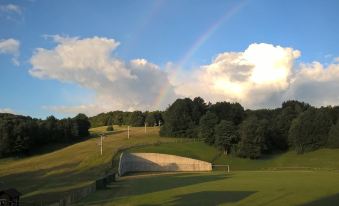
(49, 175)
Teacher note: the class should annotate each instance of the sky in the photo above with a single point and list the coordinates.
(66, 57)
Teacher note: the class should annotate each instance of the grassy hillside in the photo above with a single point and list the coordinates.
(320, 159)
(281, 179)
(48, 176)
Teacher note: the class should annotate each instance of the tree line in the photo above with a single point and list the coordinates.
(251, 133)
(21, 135)
(135, 118)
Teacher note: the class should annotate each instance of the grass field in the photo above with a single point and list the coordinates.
(46, 177)
(307, 188)
(322, 159)
(280, 179)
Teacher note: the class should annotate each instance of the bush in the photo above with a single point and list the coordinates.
(109, 128)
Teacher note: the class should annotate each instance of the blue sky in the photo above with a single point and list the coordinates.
(180, 38)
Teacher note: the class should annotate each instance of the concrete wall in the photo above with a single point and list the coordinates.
(145, 162)
(78, 194)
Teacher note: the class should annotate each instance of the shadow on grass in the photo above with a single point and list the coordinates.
(45, 185)
(141, 185)
(325, 201)
(211, 197)
(19, 180)
(151, 184)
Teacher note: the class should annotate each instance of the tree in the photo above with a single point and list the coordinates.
(225, 135)
(206, 127)
(333, 136)
(252, 137)
(136, 119)
(198, 109)
(80, 125)
(178, 120)
(109, 124)
(310, 130)
(228, 111)
(150, 119)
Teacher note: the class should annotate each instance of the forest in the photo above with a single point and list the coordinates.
(252, 133)
(246, 133)
(228, 126)
(23, 135)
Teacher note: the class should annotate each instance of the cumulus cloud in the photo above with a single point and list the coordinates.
(90, 63)
(249, 77)
(316, 84)
(7, 110)
(261, 76)
(11, 47)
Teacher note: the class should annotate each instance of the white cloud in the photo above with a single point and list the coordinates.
(11, 47)
(11, 8)
(7, 110)
(316, 84)
(249, 77)
(90, 63)
(263, 75)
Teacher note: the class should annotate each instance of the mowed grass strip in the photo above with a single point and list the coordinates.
(48, 176)
(217, 188)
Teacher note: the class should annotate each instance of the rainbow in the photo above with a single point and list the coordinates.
(163, 93)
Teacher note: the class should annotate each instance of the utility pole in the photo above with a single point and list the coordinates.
(101, 144)
(128, 132)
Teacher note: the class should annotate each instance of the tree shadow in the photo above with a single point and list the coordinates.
(146, 185)
(325, 201)
(211, 197)
(45, 184)
(37, 177)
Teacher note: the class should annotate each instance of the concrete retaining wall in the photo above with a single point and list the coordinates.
(145, 162)
(78, 194)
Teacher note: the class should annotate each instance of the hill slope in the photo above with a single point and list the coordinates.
(48, 176)
(319, 159)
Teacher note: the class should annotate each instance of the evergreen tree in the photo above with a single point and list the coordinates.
(178, 120)
(225, 135)
(252, 137)
(333, 136)
(206, 127)
(110, 125)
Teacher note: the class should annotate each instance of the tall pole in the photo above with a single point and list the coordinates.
(101, 145)
(128, 132)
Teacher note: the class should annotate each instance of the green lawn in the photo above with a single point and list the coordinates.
(307, 188)
(46, 177)
(281, 179)
(324, 159)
